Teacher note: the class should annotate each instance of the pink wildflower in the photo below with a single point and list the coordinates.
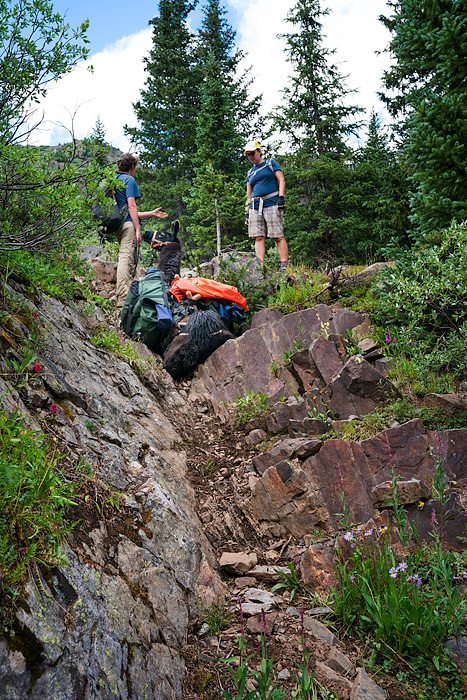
(54, 408)
(34, 313)
(38, 367)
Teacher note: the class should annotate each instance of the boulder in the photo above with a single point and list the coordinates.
(407, 492)
(286, 449)
(244, 364)
(105, 271)
(236, 563)
(317, 568)
(326, 358)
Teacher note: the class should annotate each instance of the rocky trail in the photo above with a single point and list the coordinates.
(208, 510)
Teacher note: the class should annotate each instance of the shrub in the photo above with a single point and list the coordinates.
(33, 501)
(422, 302)
(250, 406)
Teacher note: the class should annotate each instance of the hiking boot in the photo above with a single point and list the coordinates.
(284, 265)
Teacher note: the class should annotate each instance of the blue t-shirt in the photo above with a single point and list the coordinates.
(130, 190)
(263, 181)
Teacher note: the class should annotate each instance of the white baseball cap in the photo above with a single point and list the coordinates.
(251, 146)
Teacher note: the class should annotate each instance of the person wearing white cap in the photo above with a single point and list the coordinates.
(265, 204)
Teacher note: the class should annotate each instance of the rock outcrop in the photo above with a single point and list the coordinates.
(113, 623)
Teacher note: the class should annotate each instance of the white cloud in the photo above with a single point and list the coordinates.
(351, 28)
(108, 92)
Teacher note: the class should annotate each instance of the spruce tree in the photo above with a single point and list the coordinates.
(218, 193)
(378, 198)
(428, 76)
(316, 122)
(97, 145)
(217, 40)
(168, 108)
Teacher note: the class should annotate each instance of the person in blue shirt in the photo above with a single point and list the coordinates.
(265, 204)
(129, 236)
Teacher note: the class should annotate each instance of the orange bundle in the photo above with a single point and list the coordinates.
(209, 289)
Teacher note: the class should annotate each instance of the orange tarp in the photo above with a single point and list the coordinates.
(207, 288)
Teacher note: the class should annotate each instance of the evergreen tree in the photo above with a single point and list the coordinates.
(378, 198)
(316, 123)
(96, 145)
(429, 72)
(168, 108)
(217, 40)
(218, 193)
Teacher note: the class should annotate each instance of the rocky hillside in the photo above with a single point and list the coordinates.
(188, 515)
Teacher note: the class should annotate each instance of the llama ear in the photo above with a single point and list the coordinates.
(188, 294)
(196, 297)
(176, 277)
(175, 227)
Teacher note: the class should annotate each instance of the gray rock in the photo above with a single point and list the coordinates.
(339, 662)
(329, 675)
(113, 623)
(283, 675)
(319, 630)
(364, 688)
(451, 647)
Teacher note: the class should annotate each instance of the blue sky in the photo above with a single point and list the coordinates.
(120, 38)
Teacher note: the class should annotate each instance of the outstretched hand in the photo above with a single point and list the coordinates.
(160, 214)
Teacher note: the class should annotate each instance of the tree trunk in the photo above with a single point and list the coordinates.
(218, 229)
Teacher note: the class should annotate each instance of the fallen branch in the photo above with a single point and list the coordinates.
(338, 281)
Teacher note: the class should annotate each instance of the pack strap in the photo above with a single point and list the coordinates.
(124, 210)
(261, 201)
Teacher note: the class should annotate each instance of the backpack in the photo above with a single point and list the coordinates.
(111, 220)
(231, 313)
(146, 313)
(266, 162)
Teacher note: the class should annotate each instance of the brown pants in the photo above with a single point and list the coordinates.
(127, 271)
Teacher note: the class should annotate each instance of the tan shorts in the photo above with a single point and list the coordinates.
(270, 223)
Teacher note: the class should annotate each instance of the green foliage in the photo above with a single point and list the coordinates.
(217, 618)
(40, 207)
(40, 210)
(168, 108)
(376, 199)
(289, 581)
(444, 683)
(216, 200)
(240, 673)
(290, 298)
(264, 677)
(306, 687)
(421, 303)
(34, 498)
(108, 339)
(406, 597)
(49, 273)
(425, 88)
(206, 468)
(36, 47)
(402, 411)
(316, 119)
(250, 406)
(226, 113)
